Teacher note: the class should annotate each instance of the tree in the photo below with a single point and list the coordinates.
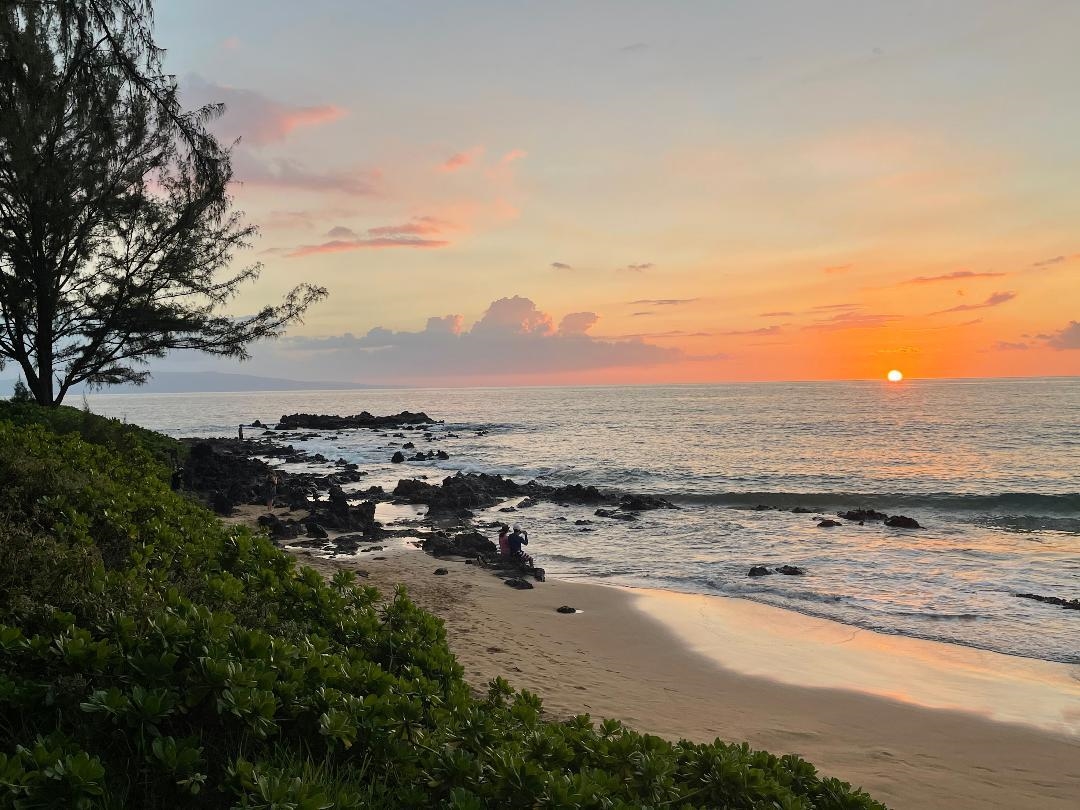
(116, 222)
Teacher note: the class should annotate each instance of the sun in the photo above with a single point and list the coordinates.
(894, 376)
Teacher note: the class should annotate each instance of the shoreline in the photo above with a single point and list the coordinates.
(632, 655)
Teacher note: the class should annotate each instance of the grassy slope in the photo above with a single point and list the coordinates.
(151, 656)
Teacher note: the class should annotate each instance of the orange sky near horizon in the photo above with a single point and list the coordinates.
(746, 191)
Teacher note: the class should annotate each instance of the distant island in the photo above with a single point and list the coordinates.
(204, 382)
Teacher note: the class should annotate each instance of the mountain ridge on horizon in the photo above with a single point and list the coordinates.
(212, 382)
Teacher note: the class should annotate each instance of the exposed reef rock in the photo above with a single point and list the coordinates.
(364, 419)
(1068, 604)
(902, 522)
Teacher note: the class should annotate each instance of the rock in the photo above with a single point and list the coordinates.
(441, 572)
(371, 548)
(221, 503)
(464, 544)
(539, 574)
(419, 457)
(762, 508)
(1068, 604)
(902, 522)
(642, 503)
(759, 571)
(257, 424)
(608, 513)
(565, 609)
(791, 570)
(582, 522)
(398, 457)
(408, 446)
(442, 455)
(827, 522)
(508, 509)
(315, 530)
(802, 510)
(360, 420)
(862, 515)
(528, 502)
(520, 584)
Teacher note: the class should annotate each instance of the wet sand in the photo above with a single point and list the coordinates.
(705, 667)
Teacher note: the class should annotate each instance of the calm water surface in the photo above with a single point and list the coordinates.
(990, 468)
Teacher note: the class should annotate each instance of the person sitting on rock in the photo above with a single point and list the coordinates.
(515, 541)
(504, 544)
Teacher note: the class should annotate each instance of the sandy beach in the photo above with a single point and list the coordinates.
(677, 665)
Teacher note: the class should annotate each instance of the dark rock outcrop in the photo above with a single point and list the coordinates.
(464, 544)
(828, 522)
(862, 515)
(364, 419)
(565, 609)
(610, 513)
(1068, 604)
(759, 571)
(902, 522)
(441, 572)
(791, 570)
(519, 584)
(643, 503)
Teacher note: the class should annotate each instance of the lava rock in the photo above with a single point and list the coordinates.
(791, 570)
(442, 455)
(902, 522)
(862, 515)
(1068, 604)
(828, 522)
(643, 503)
(315, 530)
(360, 420)
(398, 457)
(608, 513)
(441, 572)
(408, 446)
(565, 609)
(759, 571)
(519, 584)
(802, 510)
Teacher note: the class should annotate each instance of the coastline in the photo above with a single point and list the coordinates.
(623, 657)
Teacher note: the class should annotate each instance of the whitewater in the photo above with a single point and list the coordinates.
(988, 467)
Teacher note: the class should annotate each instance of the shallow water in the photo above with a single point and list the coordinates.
(990, 468)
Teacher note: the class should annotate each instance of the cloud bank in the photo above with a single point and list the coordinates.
(512, 338)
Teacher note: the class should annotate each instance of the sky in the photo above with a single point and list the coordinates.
(611, 191)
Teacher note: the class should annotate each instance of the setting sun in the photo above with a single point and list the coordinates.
(894, 376)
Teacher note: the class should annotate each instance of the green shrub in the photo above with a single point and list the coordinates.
(151, 656)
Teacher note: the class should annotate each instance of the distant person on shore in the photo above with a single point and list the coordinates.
(270, 487)
(504, 543)
(518, 538)
(240, 429)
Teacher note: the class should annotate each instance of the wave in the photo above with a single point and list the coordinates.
(1016, 503)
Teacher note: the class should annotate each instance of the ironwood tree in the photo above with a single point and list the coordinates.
(117, 226)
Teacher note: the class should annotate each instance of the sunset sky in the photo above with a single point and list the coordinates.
(618, 191)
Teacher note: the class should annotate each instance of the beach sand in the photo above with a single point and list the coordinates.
(677, 666)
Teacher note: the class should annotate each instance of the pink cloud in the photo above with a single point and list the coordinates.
(578, 323)
(512, 155)
(346, 245)
(253, 117)
(997, 299)
(956, 276)
(836, 268)
(1066, 338)
(515, 316)
(417, 226)
(461, 159)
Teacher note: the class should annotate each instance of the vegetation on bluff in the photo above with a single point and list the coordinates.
(151, 656)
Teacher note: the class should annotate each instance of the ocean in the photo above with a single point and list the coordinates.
(990, 468)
